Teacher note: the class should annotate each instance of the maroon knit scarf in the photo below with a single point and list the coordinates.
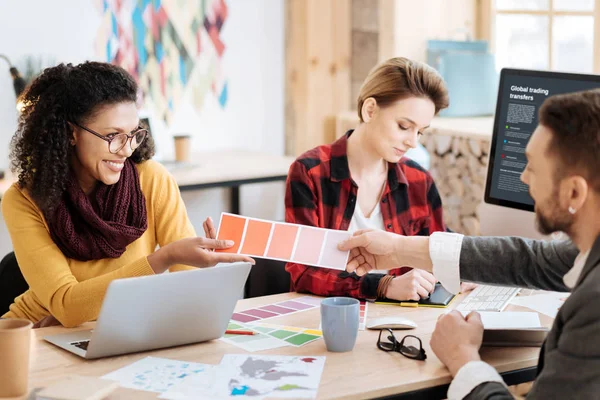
(103, 224)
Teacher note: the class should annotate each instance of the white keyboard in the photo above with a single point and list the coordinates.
(487, 298)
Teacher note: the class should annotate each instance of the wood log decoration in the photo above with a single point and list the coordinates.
(458, 166)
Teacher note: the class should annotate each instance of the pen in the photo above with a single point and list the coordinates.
(236, 332)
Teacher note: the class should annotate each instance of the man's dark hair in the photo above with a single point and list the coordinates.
(65, 93)
(574, 120)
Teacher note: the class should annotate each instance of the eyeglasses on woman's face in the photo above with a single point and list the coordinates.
(116, 141)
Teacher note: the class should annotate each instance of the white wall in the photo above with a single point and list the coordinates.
(253, 63)
(59, 29)
(418, 21)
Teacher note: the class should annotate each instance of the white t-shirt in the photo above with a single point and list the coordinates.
(359, 221)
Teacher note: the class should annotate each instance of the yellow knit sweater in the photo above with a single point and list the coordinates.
(71, 290)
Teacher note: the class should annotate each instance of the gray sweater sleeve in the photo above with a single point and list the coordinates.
(514, 261)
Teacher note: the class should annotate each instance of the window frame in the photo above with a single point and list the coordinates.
(486, 16)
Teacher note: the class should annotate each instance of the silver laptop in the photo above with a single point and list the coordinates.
(152, 312)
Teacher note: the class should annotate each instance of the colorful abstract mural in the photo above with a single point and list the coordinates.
(172, 47)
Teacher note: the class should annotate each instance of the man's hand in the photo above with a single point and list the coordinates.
(370, 249)
(466, 287)
(456, 340)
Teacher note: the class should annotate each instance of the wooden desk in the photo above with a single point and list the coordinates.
(366, 372)
(226, 168)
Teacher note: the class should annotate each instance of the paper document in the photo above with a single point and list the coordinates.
(546, 303)
(156, 374)
(256, 377)
(508, 319)
(284, 242)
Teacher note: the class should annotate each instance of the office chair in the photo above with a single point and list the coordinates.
(267, 277)
(12, 283)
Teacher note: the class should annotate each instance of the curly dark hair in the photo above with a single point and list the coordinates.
(40, 148)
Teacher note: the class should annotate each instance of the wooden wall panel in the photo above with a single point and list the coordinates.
(317, 70)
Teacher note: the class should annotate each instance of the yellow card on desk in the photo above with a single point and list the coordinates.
(410, 304)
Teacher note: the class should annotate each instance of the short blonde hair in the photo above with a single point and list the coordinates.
(400, 78)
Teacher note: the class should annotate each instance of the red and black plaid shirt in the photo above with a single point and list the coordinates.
(320, 192)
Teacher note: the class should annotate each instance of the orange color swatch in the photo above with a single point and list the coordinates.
(282, 241)
(231, 228)
(257, 237)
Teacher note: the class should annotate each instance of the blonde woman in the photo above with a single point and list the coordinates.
(363, 181)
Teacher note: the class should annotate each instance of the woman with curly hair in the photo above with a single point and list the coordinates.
(89, 205)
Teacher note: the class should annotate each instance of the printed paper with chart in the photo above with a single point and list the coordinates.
(154, 374)
(242, 375)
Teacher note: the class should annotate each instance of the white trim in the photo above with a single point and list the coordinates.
(296, 242)
(323, 247)
(243, 236)
(269, 240)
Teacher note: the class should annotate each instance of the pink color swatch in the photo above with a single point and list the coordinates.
(332, 257)
(309, 246)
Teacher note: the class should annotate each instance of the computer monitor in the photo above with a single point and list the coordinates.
(507, 208)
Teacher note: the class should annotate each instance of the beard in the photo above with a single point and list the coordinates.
(551, 218)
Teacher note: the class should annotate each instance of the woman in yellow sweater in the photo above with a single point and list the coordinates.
(90, 206)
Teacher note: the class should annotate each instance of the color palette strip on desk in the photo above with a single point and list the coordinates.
(284, 242)
(277, 309)
(362, 319)
(257, 342)
(290, 334)
(270, 336)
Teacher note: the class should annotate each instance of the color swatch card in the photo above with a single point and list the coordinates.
(362, 319)
(270, 336)
(284, 242)
(291, 335)
(260, 341)
(277, 309)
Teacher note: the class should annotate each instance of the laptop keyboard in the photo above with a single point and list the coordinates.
(83, 345)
